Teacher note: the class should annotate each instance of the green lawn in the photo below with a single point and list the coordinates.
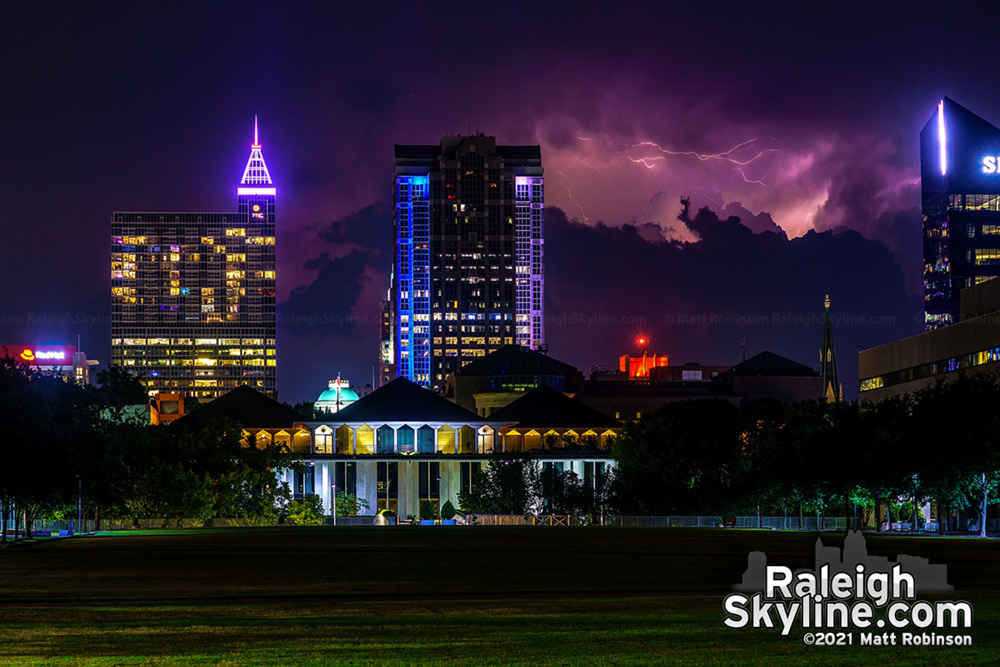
(451, 595)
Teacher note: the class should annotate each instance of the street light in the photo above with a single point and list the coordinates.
(79, 504)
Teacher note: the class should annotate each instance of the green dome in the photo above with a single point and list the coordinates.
(330, 396)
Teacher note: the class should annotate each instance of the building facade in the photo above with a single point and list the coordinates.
(469, 254)
(402, 444)
(64, 361)
(972, 345)
(960, 188)
(193, 294)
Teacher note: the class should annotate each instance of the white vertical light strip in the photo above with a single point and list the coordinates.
(942, 139)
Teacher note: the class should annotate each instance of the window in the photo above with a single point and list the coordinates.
(384, 440)
(346, 478)
(429, 481)
(386, 485)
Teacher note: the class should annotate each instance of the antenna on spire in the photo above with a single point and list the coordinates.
(256, 170)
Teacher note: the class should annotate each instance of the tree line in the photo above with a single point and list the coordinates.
(66, 448)
(939, 444)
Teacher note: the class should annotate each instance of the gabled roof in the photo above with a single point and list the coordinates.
(544, 407)
(404, 401)
(515, 360)
(769, 363)
(247, 406)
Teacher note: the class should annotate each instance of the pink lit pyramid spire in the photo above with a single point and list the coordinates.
(256, 172)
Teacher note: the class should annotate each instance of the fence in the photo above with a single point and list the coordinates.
(362, 520)
(521, 520)
(771, 522)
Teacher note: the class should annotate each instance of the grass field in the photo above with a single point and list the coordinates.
(451, 595)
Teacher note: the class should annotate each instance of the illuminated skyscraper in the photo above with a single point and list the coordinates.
(468, 262)
(960, 183)
(193, 294)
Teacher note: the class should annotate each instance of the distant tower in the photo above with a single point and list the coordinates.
(828, 360)
(960, 188)
(467, 275)
(193, 294)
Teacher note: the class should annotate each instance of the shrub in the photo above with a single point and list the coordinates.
(306, 512)
(447, 511)
(426, 510)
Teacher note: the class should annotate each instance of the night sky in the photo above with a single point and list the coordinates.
(802, 123)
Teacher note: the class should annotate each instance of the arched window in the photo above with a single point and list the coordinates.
(384, 441)
(323, 440)
(446, 440)
(365, 436)
(425, 440)
(344, 444)
(405, 442)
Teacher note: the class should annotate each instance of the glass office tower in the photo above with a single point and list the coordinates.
(469, 252)
(193, 294)
(960, 184)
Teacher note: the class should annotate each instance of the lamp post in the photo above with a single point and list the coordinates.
(79, 504)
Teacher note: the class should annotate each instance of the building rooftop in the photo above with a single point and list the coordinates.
(247, 406)
(515, 360)
(769, 363)
(545, 407)
(405, 401)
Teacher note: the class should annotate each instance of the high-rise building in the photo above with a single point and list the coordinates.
(468, 263)
(386, 358)
(193, 294)
(960, 183)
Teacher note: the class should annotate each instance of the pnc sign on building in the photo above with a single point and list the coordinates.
(41, 355)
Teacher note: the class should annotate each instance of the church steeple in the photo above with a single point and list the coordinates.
(256, 170)
(832, 390)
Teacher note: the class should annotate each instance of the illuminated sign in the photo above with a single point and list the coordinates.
(990, 164)
(256, 212)
(41, 355)
(942, 139)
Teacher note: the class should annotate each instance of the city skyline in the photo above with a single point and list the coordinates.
(798, 137)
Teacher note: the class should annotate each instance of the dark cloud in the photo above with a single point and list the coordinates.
(324, 308)
(694, 299)
(761, 222)
(369, 228)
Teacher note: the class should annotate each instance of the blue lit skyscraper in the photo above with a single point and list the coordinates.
(469, 254)
(960, 187)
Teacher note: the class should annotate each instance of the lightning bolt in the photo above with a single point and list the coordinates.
(647, 162)
(573, 199)
(759, 181)
(726, 155)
